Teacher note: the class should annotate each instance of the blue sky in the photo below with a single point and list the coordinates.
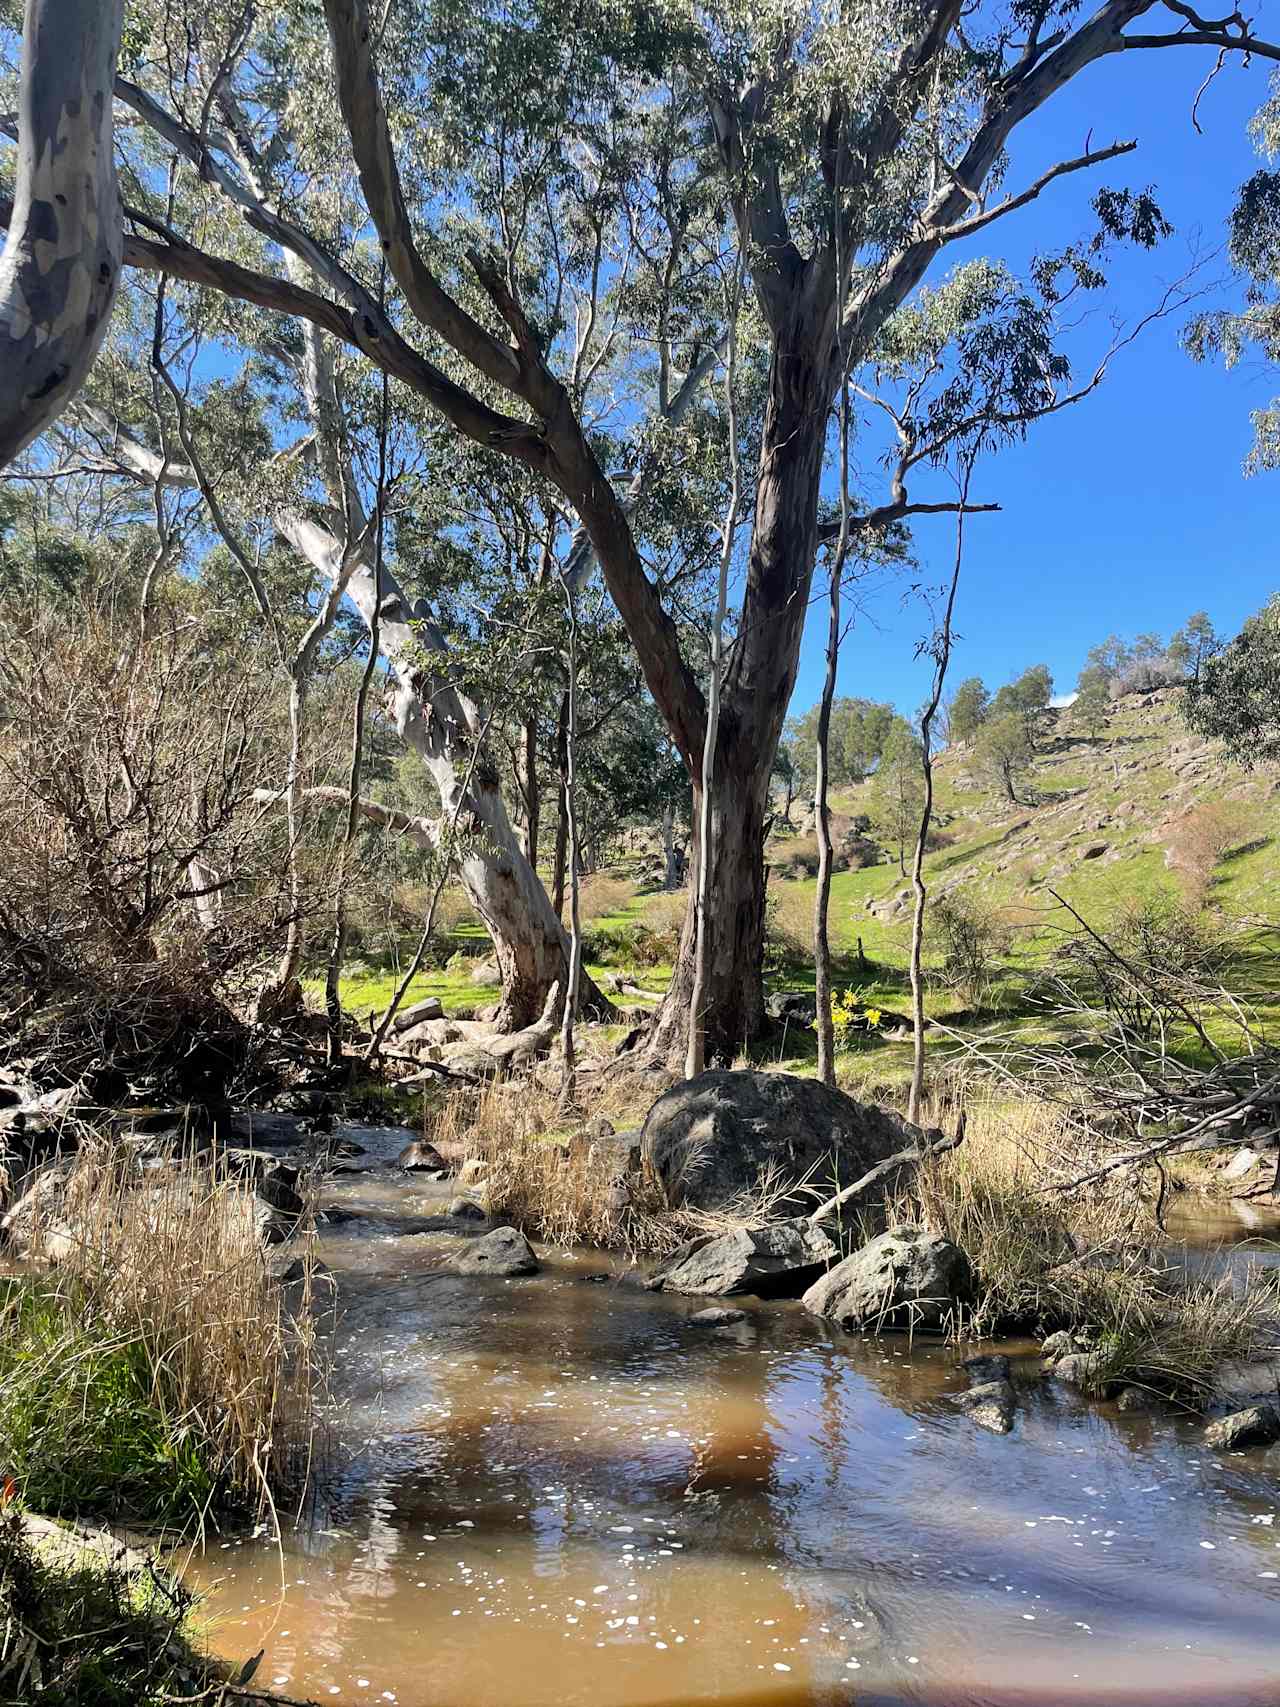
(1129, 511)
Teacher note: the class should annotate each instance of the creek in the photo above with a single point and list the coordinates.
(557, 1491)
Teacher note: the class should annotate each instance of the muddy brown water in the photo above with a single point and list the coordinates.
(556, 1491)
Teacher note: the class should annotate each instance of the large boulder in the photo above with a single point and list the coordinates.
(709, 1140)
(907, 1280)
(503, 1252)
(772, 1262)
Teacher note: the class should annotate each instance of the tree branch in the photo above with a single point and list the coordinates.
(886, 513)
(976, 222)
(351, 38)
(424, 831)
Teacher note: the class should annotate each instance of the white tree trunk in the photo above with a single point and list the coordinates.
(61, 261)
(438, 723)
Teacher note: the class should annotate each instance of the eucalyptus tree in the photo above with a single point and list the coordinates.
(61, 261)
(558, 182)
(1254, 247)
(1236, 693)
(968, 710)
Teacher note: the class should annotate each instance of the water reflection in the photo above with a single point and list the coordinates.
(555, 1492)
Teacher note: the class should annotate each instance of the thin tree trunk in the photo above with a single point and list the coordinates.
(822, 809)
(670, 877)
(569, 1085)
(561, 855)
(338, 944)
(529, 786)
(696, 1051)
(61, 261)
(941, 650)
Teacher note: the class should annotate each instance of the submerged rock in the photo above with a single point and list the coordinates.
(466, 1209)
(709, 1140)
(1133, 1399)
(1256, 1425)
(503, 1252)
(1085, 1369)
(990, 1404)
(909, 1279)
(990, 1366)
(717, 1316)
(1065, 1343)
(772, 1262)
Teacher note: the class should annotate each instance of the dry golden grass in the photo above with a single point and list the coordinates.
(1094, 1258)
(545, 1175)
(167, 1271)
(789, 921)
(601, 894)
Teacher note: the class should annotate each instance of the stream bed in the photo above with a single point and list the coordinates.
(557, 1491)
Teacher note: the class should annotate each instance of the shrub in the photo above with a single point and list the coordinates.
(852, 1018)
(788, 924)
(600, 894)
(1199, 840)
(1145, 676)
(798, 858)
(1090, 1260)
(970, 939)
(142, 879)
(1160, 966)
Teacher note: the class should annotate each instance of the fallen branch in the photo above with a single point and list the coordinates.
(914, 1153)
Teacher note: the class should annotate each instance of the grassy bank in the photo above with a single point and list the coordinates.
(157, 1374)
(1094, 1260)
(88, 1622)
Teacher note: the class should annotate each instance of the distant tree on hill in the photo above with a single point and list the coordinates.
(786, 776)
(1006, 753)
(1236, 696)
(859, 729)
(1026, 699)
(968, 709)
(898, 792)
(1194, 644)
(1093, 698)
(1146, 649)
(1111, 656)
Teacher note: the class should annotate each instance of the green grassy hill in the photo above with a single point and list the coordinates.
(1111, 823)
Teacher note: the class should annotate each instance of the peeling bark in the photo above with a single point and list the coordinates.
(62, 258)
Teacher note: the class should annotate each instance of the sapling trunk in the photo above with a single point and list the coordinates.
(941, 650)
(696, 1049)
(822, 809)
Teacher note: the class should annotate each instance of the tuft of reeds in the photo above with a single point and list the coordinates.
(1094, 1260)
(158, 1371)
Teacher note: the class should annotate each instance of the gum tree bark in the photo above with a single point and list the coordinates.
(62, 256)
